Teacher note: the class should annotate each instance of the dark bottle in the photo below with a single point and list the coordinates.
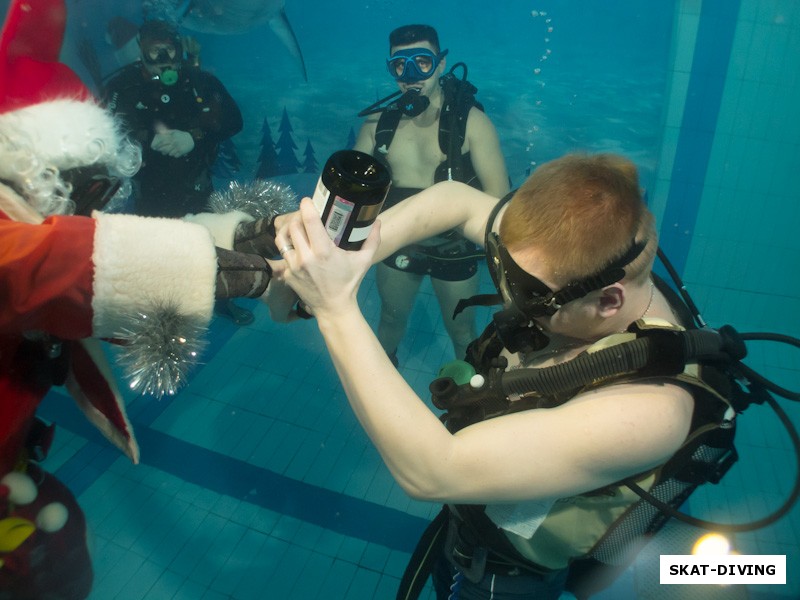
(349, 196)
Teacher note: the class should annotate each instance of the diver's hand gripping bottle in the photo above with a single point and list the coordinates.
(349, 196)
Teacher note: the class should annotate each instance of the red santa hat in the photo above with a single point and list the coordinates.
(44, 106)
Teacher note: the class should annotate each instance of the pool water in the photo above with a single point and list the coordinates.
(256, 480)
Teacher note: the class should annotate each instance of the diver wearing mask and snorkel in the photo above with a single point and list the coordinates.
(431, 129)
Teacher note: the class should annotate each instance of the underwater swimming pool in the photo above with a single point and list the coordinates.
(256, 480)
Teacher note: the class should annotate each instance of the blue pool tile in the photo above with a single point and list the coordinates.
(287, 571)
(381, 486)
(398, 499)
(329, 543)
(363, 584)
(374, 557)
(226, 507)
(188, 491)
(206, 499)
(309, 584)
(147, 507)
(340, 473)
(237, 564)
(326, 457)
(104, 560)
(396, 563)
(264, 520)
(217, 553)
(337, 582)
(118, 577)
(139, 586)
(308, 536)
(179, 588)
(363, 473)
(387, 587)
(286, 528)
(250, 436)
(270, 442)
(285, 453)
(161, 522)
(352, 549)
(197, 545)
(257, 584)
(178, 535)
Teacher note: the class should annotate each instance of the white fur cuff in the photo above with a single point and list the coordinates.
(143, 262)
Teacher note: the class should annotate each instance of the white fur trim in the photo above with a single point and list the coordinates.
(221, 226)
(65, 133)
(141, 262)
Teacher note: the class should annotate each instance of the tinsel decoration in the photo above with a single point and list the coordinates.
(159, 348)
(259, 199)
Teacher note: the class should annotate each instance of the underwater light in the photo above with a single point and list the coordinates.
(712, 544)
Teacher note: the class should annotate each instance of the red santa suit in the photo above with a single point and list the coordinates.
(63, 280)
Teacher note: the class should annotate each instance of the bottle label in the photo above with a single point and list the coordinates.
(336, 211)
(340, 215)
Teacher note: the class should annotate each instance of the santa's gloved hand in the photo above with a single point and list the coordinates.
(241, 275)
(256, 237)
(172, 142)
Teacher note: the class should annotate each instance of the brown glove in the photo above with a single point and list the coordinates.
(256, 237)
(240, 274)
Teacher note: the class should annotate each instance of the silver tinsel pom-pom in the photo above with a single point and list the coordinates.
(258, 198)
(159, 349)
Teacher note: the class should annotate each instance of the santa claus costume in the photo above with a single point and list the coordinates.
(67, 280)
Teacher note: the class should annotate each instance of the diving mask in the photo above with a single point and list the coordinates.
(410, 65)
(159, 54)
(531, 296)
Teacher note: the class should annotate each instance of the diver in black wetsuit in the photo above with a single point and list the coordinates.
(179, 114)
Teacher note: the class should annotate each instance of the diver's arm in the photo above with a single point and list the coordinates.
(439, 208)
(487, 157)
(365, 142)
(587, 443)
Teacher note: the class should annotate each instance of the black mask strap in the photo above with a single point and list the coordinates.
(611, 274)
